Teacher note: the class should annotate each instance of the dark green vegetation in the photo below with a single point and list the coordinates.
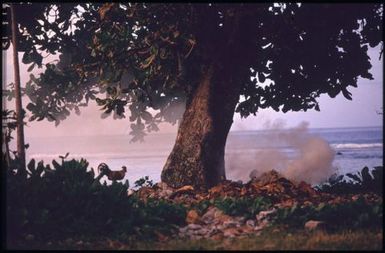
(144, 181)
(357, 214)
(67, 202)
(360, 182)
(132, 57)
(244, 206)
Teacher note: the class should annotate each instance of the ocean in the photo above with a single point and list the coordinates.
(353, 149)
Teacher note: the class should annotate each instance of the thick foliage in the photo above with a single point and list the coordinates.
(67, 201)
(360, 182)
(357, 214)
(145, 55)
(245, 206)
(144, 181)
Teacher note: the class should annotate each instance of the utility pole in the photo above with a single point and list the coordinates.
(19, 107)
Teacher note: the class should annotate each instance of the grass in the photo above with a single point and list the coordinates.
(271, 239)
(281, 240)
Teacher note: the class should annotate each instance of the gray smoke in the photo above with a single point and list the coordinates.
(311, 162)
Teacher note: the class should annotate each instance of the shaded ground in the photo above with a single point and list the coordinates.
(271, 239)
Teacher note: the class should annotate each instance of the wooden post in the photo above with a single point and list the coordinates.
(19, 107)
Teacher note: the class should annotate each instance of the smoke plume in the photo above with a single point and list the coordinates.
(311, 161)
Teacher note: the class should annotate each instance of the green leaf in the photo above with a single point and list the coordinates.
(354, 177)
(346, 93)
(30, 68)
(31, 107)
(56, 165)
(31, 165)
(261, 77)
(146, 116)
(366, 178)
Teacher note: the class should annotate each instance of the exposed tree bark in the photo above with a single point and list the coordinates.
(19, 107)
(198, 155)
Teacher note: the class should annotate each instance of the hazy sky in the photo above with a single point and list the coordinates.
(336, 112)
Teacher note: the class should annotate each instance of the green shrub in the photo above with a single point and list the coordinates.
(202, 206)
(68, 201)
(357, 214)
(244, 206)
(143, 181)
(360, 182)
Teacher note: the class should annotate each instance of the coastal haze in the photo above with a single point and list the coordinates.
(343, 137)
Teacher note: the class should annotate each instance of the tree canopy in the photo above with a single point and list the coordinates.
(151, 55)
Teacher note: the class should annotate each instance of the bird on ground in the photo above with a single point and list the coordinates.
(111, 174)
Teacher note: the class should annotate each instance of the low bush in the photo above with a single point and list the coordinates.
(357, 214)
(246, 206)
(360, 182)
(68, 201)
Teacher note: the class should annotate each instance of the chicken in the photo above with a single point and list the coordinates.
(111, 175)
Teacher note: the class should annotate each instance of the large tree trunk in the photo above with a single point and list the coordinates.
(198, 155)
(19, 107)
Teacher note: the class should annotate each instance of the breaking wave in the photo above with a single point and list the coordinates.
(96, 155)
(356, 145)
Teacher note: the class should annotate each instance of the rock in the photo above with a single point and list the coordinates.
(193, 226)
(250, 223)
(183, 229)
(220, 216)
(213, 231)
(258, 228)
(239, 219)
(204, 231)
(261, 225)
(246, 229)
(192, 217)
(230, 223)
(264, 214)
(313, 224)
(231, 232)
(210, 214)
